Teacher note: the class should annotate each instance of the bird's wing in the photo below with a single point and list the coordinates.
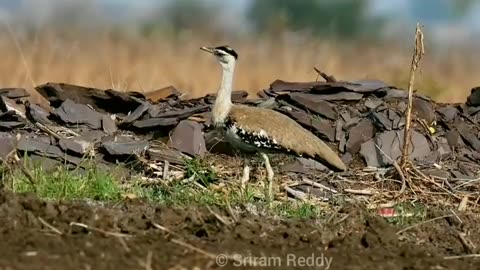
(278, 131)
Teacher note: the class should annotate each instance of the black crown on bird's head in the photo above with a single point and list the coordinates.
(218, 51)
(228, 50)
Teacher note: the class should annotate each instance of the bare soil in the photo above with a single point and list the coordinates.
(137, 235)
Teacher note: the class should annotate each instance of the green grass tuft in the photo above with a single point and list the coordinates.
(65, 184)
(203, 189)
(202, 173)
(298, 210)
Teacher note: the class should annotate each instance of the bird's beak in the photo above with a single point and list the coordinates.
(207, 49)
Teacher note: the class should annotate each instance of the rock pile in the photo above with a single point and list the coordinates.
(363, 120)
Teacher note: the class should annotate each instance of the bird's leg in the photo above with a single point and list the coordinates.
(245, 176)
(269, 176)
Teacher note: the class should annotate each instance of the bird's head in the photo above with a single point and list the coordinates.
(225, 55)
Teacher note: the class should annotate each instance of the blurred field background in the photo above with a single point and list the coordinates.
(144, 45)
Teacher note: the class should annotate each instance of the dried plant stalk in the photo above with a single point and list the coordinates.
(418, 52)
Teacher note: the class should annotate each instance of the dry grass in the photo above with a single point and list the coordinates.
(146, 64)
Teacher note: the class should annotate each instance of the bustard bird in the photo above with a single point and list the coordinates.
(255, 129)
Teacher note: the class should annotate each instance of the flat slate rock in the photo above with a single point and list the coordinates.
(448, 113)
(361, 86)
(465, 168)
(137, 113)
(318, 106)
(182, 113)
(280, 85)
(38, 114)
(339, 133)
(7, 146)
(268, 103)
(14, 93)
(381, 120)
(474, 98)
(359, 134)
(356, 115)
(390, 144)
(372, 102)
(102, 101)
(43, 146)
(156, 109)
(153, 123)
(164, 153)
(57, 93)
(468, 135)
(10, 120)
(443, 148)
(453, 138)
(108, 124)
(162, 94)
(125, 147)
(395, 93)
(123, 101)
(48, 165)
(74, 114)
(424, 110)
(188, 138)
(397, 120)
(92, 135)
(339, 96)
(7, 104)
(75, 145)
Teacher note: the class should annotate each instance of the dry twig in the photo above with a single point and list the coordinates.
(165, 169)
(123, 244)
(397, 167)
(402, 176)
(418, 52)
(230, 210)
(46, 224)
(196, 249)
(218, 217)
(318, 185)
(17, 161)
(467, 243)
(328, 78)
(359, 191)
(461, 256)
(85, 226)
(165, 229)
(295, 193)
(147, 264)
(463, 204)
(421, 223)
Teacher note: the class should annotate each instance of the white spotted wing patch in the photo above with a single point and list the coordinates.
(259, 139)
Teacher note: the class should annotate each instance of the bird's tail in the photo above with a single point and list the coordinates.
(329, 158)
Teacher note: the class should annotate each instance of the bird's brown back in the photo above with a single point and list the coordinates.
(286, 132)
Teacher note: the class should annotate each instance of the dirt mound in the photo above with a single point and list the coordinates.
(132, 234)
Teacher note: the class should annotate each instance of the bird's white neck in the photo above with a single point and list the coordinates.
(223, 102)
